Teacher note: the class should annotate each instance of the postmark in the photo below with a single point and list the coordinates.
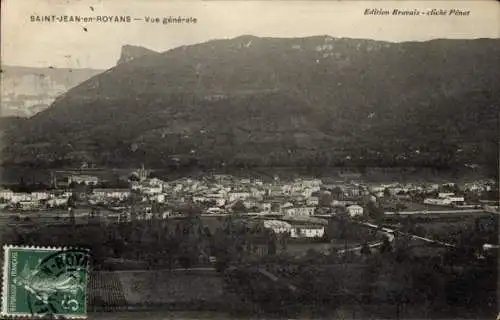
(45, 282)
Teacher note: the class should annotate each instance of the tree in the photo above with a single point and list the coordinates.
(365, 249)
(239, 207)
(271, 237)
(374, 211)
(284, 241)
(337, 193)
(386, 245)
(387, 193)
(72, 201)
(394, 284)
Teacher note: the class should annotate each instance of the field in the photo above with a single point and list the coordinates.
(119, 289)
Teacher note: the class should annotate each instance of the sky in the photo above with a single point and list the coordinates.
(98, 45)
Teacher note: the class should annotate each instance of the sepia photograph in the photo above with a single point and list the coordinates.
(249, 159)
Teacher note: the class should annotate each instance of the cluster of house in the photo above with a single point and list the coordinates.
(446, 199)
(34, 200)
(225, 194)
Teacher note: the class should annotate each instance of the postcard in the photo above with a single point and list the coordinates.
(249, 159)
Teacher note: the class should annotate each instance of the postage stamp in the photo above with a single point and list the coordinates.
(45, 282)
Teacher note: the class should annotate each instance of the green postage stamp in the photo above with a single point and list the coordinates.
(45, 282)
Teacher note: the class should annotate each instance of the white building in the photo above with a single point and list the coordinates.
(160, 198)
(40, 195)
(234, 196)
(152, 190)
(437, 202)
(55, 202)
(6, 194)
(121, 194)
(18, 197)
(278, 226)
(313, 201)
(456, 199)
(299, 211)
(266, 206)
(307, 231)
(444, 195)
(84, 179)
(355, 210)
(29, 204)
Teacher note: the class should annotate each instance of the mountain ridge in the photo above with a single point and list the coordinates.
(279, 101)
(130, 52)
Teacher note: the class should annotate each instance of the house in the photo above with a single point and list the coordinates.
(83, 179)
(251, 202)
(309, 183)
(266, 206)
(274, 190)
(445, 199)
(6, 194)
(286, 205)
(219, 202)
(437, 202)
(55, 202)
(352, 190)
(29, 204)
(257, 193)
(61, 193)
(160, 198)
(120, 194)
(376, 188)
(154, 182)
(344, 203)
(238, 195)
(18, 197)
(215, 210)
(456, 200)
(199, 199)
(355, 210)
(40, 195)
(278, 226)
(152, 190)
(444, 195)
(299, 211)
(313, 201)
(307, 230)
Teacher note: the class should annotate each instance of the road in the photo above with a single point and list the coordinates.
(392, 232)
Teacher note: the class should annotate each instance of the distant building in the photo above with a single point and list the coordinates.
(445, 199)
(83, 179)
(29, 204)
(355, 210)
(313, 201)
(307, 230)
(437, 202)
(299, 211)
(120, 194)
(160, 198)
(6, 194)
(444, 195)
(278, 226)
(238, 195)
(56, 202)
(141, 174)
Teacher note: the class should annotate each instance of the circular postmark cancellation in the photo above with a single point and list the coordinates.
(45, 282)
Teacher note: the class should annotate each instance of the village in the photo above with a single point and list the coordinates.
(298, 204)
